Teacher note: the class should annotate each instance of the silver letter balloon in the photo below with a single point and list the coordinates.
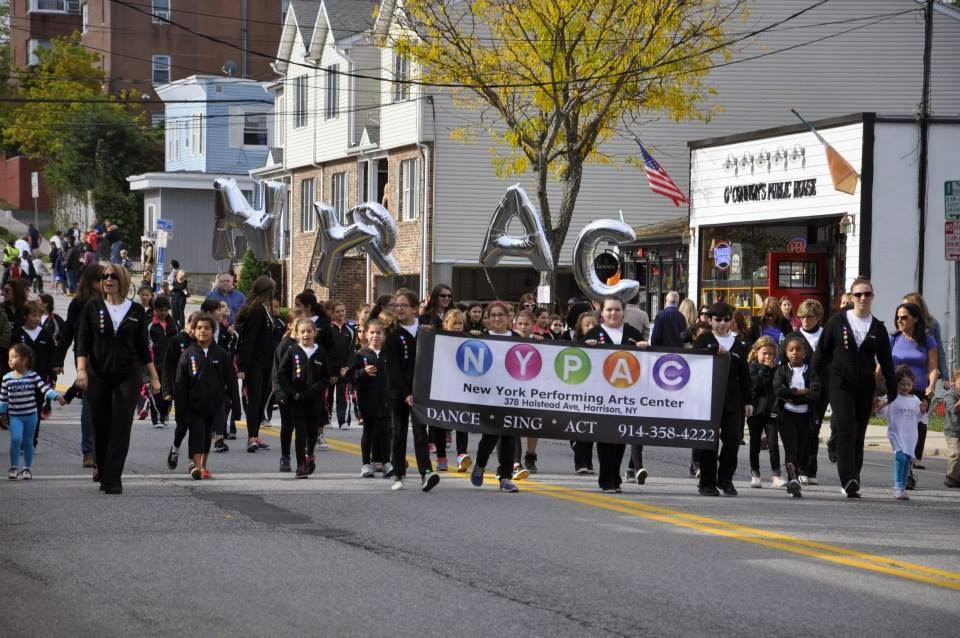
(592, 235)
(499, 243)
(232, 212)
(381, 247)
(334, 240)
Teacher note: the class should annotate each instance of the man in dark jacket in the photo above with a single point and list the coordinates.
(669, 325)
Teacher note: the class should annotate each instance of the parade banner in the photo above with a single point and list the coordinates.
(565, 390)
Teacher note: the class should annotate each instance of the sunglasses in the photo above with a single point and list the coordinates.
(721, 318)
(109, 275)
(861, 295)
(903, 317)
(445, 295)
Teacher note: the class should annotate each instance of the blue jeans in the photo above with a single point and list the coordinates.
(22, 429)
(115, 253)
(86, 428)
(901, 470)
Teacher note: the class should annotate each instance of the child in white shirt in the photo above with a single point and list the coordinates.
(902, 416)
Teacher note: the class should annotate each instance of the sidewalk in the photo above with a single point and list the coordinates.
(876, 439)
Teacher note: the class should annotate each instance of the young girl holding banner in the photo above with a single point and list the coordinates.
(612, 331)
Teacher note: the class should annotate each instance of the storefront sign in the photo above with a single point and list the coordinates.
(553, 390)
(951, 199)
(763, 191)
(797, 245)
(606, 265)
(722, 255)
(951, 237)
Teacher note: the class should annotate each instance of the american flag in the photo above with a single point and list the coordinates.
(660, 182)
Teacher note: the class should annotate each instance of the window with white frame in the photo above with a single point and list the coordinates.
(401, 73)
(32, 46)
(255, 129)
(332, 101)
(84, 18)
(160, 11)
(409, 192)
(161, 68)
(279, 121)
(54, 6)
(151, 217)
(196, 134)
(173, 140)
(300, 98)
(338, 194)
(307, 216)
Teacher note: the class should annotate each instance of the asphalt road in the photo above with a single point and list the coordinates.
(254, 552)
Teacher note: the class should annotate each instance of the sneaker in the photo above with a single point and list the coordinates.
(387, 470)
(949, 482)
(441, 464)
(232, 436)
(583, 469)
(709, 490)
(366, 471)
(630, 474)
(378, 467)
(159, 425)
(812, 480)
(195, 473)
(301, 471)
(694, 470)
(173, 457)
(252, 445)
(755, 481)
(220, 446)
(26, 474)
(900, 495)
(322, 443)
(463, 462)
(530, 463)
(728, 488)
(777, 482)
(832, 455)
(641, 476)
(917, 465)
(793, 488)
(519, 474)
(506, 485)
(851, 489)
(432, 448)
(205, 474)
(911, 481)
(311, 464)
(804, 479)
(430, 481)
(285, 464)
(397, 484)
(261, 444)
(13, 473)
(476, 476)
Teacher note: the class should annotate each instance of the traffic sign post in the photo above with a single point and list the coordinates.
(35, 192)
(951, 199)
(951, 240)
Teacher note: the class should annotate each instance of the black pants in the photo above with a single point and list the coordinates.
(401, 419)
(507, 447)
(582, 454)
(112, 402)
(306, 416)
(713, 473)
(636, 457)
(438, 436)
(794, 429)
(286, 429)
(339, 391)
(201, 427)
(159, 409)
(257, 382)
(851, 411)
(610, 457)
(375, 440)
(757, 425)
(178, 305)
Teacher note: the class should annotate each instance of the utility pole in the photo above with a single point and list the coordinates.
(924, 132)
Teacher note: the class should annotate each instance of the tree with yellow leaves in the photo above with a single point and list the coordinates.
(563, 75)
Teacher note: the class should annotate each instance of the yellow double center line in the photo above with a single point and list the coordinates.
(732, 531)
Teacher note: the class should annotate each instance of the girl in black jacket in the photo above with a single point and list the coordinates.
(205, 381)
(171, 358)
(339, 354)
(255, 324)
(288, 342)
(852, 344)
(162, 330)
(302, 376)
(763, 356)
(798, 389)
(370, 380)
(46, 359)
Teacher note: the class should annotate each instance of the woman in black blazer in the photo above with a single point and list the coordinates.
(255, 355)
(613, 331)
(112, 349)
(852, 344)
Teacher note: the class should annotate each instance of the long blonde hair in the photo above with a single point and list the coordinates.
(760, 344)
(689, 311)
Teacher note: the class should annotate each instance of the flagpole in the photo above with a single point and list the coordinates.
(810, 126)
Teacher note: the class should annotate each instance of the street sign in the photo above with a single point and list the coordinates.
(951, 199)
(35, 184)
(162, 239)
(951, 238)
(164, 224)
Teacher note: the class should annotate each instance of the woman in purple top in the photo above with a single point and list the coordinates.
(912, 346)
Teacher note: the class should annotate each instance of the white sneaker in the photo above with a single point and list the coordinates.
(366, 471)
(755, 481)
(777, 482)
(159, 425)
(322, 443)
(387, 470)
(900, 495)
(812, 480)
(397, 484)
(804, 480)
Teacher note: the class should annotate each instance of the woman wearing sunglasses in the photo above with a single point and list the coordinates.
(440, 301)
(112, 349)
(912, 345)
(852, 344)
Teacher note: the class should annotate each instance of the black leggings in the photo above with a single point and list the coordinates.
(793, 432)
(201, 429)
(851, 411)
(712, 472)
(401, 420)
(340, 392)
(438, 436)
(286, 429)
(257, 383)
(582, 454)
(507, 446)
(306, 416)
(112, 402)
(610, 457)
(375, 440)
(757, 425)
